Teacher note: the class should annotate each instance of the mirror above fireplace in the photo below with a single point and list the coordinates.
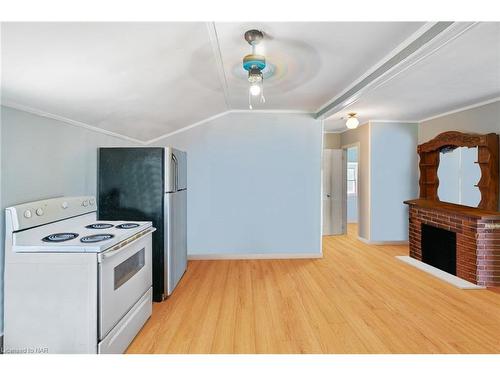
(458, 174)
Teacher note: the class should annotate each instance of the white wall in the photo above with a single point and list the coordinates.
(43, 158)
(331, 140)
(482, 120)
(393, 178)
(253, 184)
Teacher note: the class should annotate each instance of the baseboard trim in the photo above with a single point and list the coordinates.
(368, 242)
(255, 256)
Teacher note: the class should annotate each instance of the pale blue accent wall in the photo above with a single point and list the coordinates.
(254, 184)
(393, 179)
(43, 158)
(352, 209)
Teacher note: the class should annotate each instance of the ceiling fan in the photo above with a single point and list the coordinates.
(254, 64)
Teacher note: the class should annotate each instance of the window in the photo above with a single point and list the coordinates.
(128, 268)
(352, 178)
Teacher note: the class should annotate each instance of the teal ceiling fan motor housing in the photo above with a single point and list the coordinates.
(254, 62)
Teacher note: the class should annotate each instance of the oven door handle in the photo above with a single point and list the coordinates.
(124, 244)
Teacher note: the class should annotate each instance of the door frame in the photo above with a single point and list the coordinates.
(344, 192)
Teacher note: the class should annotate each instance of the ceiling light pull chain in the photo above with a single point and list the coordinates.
(250, 100)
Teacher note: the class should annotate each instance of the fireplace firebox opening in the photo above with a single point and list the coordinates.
(439, 248)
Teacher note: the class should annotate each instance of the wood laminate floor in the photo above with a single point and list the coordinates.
(357, 299)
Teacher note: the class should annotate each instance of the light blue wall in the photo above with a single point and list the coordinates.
(43, 158)
(352, 154)
(352, 209)
(253, 184)
(393, 179)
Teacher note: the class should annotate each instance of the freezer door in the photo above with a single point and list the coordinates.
(131, 187)
(175, 238)
(176, 170)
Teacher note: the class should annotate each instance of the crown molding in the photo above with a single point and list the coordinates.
(333, 132)
(188, 127)
(394, 121)
(270, 111)
(465, 108)
(373, 122)
(221, 114)
(360, 125)
(38, 112)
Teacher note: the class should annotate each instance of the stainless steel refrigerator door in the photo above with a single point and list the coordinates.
(176, 170)
(175, 238)
(181, 169)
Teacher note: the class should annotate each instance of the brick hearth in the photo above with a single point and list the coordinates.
(478, 237)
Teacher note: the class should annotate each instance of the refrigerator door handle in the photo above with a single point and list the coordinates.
(176, 172)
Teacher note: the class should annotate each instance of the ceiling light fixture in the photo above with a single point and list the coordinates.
(352, 122)
(254, 64)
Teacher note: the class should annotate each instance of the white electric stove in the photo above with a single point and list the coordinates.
(74, 284)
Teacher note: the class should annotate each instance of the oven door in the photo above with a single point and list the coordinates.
(125, 274)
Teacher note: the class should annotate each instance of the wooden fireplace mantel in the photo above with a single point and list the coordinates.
(488, 160)
(454, 209)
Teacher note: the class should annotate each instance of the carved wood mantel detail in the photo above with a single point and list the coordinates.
(488, 161)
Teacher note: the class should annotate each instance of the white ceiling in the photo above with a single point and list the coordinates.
(145, 80)
(312, 60)
(141, 80)
(465, 71)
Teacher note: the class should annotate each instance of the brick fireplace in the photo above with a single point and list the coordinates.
(477, 234)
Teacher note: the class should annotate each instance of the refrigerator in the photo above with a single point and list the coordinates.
(149, 184)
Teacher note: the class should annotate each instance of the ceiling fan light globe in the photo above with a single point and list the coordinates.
(352, 123)
(255, 90)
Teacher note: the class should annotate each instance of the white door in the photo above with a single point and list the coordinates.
(333, 184)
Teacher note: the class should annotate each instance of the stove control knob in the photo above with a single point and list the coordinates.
(64, 205)
(27, 214)
(92, 201)
(39, 212)
(85, 203)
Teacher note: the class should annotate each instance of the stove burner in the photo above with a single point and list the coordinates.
(60, 237)
(96, 238)
(99, 226)
(127, 226)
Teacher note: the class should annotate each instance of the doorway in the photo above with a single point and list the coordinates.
(351, 187)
